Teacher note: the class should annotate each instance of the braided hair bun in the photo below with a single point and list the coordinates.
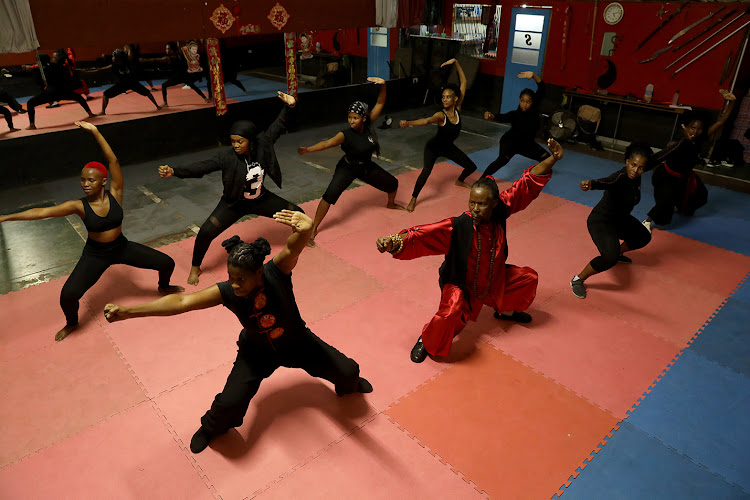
(248, 256)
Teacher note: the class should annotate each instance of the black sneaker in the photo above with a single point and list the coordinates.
(200, 440)
(579, 288)
(364, 386)
(625, 259)
(418, 352)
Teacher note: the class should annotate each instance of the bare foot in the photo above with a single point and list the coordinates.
(13, 129)
(412, 204)
(171, 289)
(208, 100)
(92, 115)
(311, 243)
(31, 127)
(462, 184)
(100, 113)
(67, 330)
(165, 105)
(195, 272)
(395, 206)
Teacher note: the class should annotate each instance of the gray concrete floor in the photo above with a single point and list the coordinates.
(159, 211)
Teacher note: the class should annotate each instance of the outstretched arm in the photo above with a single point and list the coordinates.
(74, 207)
(436, 118)
(336, 140)
(545, 166)
(168, 305)
(418, 241)
(378, 108)
(461, 80)
(729, 100)
(116, 180)
(301, 226)
(279, 125)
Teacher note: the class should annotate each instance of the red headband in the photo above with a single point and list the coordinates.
(98, 167)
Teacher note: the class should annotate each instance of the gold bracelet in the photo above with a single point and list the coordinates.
(397, 238)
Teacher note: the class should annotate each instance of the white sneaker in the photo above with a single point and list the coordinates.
(647, 225)
(725, 163)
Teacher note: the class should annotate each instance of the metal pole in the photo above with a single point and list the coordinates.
(739, 62)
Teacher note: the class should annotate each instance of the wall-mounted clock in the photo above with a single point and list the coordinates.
(613, 13)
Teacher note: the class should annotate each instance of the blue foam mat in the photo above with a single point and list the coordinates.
(726, 339)
(702, 410)
(634, 465)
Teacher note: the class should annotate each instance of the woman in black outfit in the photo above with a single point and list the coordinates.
(610, 220)
(273, 334)
(449, 127)
(524, 122)
(675, 184)
(243, 167)
(60, 87)
(177, 72)
(101, 211)
(127, 79)
(359, 142)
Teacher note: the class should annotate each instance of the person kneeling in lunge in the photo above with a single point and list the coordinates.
(475, 248)
(273, 333)
(610, 220)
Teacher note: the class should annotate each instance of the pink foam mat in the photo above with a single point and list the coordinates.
(381, 343)
(31, 317)
(606, 360)
(291, 419)
(132, 455)
(52, 393)
(377, 461)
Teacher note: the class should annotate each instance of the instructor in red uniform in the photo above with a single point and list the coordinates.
(475, 248)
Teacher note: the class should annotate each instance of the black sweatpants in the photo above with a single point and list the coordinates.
(511, 146)
(368, 172)
(225, 214)
(124, 85)
(10, 100)
(254, 363)
(97, 257)
(52, 95)
(433, 151)
(187, 79)
(607, 233)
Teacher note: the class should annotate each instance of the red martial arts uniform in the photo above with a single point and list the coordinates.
(512, 288)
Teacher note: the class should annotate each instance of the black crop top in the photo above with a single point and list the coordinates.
(358, 146)
(96, 224)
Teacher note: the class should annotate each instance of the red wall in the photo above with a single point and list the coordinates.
(698, 84)
(96, 26)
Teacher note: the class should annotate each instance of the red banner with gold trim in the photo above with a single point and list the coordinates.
(290, 54)
(217, 76)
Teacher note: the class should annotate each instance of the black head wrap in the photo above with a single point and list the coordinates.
(360, 108)
(244, 128)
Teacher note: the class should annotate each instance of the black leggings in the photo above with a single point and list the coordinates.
(225, 214)
(123, 86)
(511, 146)
(6, 114)
(368, 172)
(670, 192)
(607, 233)
(187, 79)
(52, 96)
(97, 257)
(252, 365)
(9, 100)
(433, 151)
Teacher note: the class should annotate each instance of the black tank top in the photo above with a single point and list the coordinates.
(358, 146)
(448, 132)
(96, 224)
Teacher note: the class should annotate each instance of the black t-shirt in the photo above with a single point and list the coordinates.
(680, 157)
(358, 146)
(621, 194)
(269, 315)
